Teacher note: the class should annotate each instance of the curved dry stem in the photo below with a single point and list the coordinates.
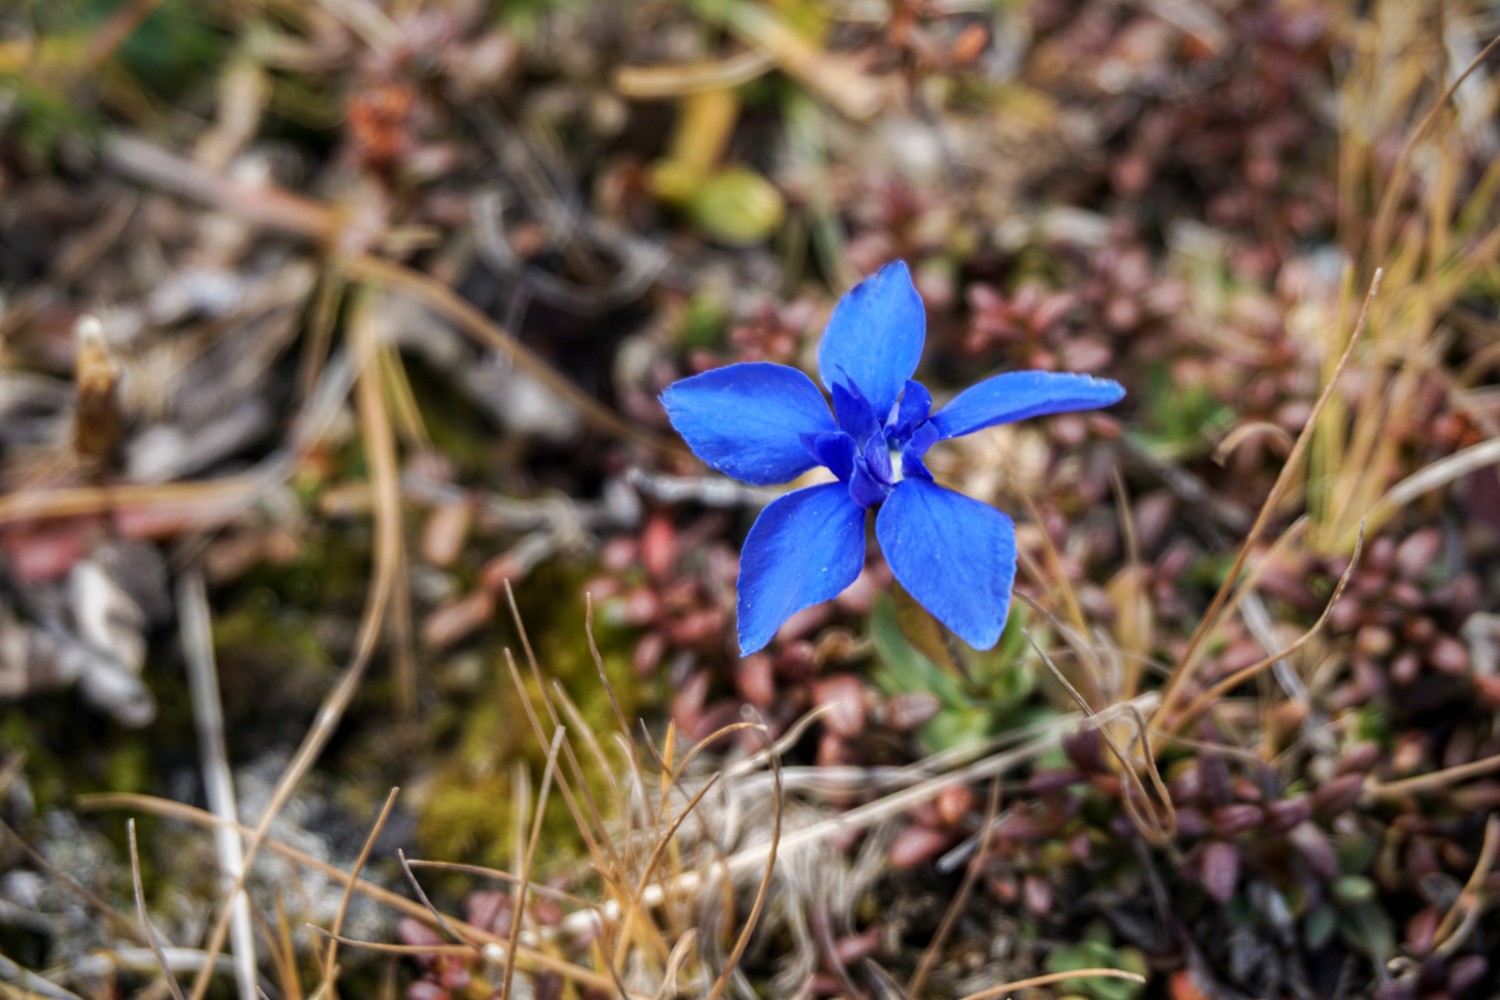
(1156, 830)
(1459, 921)
(359, 865)
(556, 895)
(1431, 781)
(140, 909)
(1234, 680)
(788, 739)
(438, 917)
(1053, 977)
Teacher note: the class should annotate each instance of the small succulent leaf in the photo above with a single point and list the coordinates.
(904, 669)
(955, 555)
(927, 635)
(875, 337)
(805, 548)
(748, 420)
(1012, 396)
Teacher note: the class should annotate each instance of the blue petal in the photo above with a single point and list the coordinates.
(916, 404)
(748, 420)
(875, 337)
(835, 450)
(804, 549)
(1003, 399)
(865, 489)
(912, 452)
(878, 459)
(955, 555)
(855, 417)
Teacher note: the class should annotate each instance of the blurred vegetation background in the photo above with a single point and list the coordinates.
(331, 334)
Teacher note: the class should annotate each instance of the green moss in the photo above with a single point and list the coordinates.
(470, 812)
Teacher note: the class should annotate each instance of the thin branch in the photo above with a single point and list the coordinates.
(218, 782)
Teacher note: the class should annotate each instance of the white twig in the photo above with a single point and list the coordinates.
(218, 782)
(1442, 472)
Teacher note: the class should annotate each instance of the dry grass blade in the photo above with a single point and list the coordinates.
(657, 82)
(675, 961)
(381, 452)
(1380, 236)
(1378, 791)
(29, 985)
(601, 848)
(665, 838)
(281, 950)
(1448, 469)
(385, 947)
(550, 892)
(330, 962)
(761, 893)
(378, 435)
(436, 916)
(1459, 921)
(140, 909)
(381, 895)
(1188, 662)
(1156, 829)
(519, 917)
(118, 923)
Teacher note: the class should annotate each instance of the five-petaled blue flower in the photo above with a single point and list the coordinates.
(764, 423)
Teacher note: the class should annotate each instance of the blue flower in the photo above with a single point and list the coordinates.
(764, 423)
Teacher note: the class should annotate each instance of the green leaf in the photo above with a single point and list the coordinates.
(737, 206)
(995, 693)
(1093, 954)
(909, 669)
